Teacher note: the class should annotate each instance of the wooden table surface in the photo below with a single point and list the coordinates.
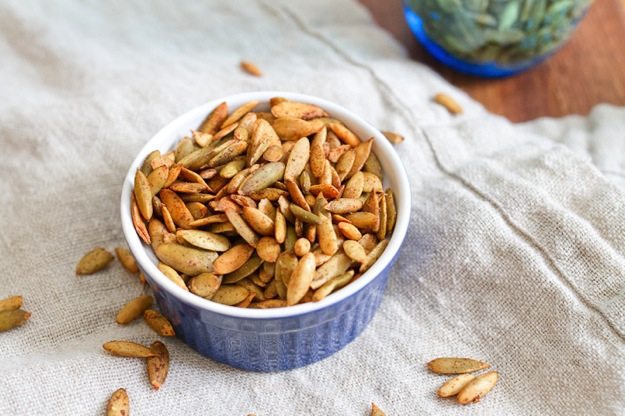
(588, 70)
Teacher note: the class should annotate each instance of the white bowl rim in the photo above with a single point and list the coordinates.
(402, 201)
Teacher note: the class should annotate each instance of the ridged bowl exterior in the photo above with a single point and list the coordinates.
(273, 344)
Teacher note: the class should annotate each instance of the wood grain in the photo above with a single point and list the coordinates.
(588, 70)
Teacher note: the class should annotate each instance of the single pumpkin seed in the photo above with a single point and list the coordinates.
(268, 249)
(127, 260)
(456, 365)
(349, 231)
(186, 260)
(172, 275)
(118, 404)
(239, 112)
(344, 134)
(262, 178)
(291, 128)
(297, 159)
(373, 255)
(355, 251)
(215, 119)
(205, 239)
(11, 303)
(230, 294)
(12, 318)
(94, 261)
(336, 265)
(158, 365)
(127, 349)
(158, 323)
(251, 68)
(249, 267)
(232, 259)
(478, 387)
(332, 285)
(133, 309)
(453, 386)
(205, 284)
(302, 276)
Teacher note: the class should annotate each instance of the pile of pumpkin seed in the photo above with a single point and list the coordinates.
(507, 32)
(264, 209)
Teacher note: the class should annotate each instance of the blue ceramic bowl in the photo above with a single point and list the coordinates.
(282, 338)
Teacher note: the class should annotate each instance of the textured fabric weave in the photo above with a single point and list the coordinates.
(515, 252)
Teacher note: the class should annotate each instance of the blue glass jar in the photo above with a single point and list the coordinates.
(493, 38)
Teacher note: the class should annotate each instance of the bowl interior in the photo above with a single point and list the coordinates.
(166, 138)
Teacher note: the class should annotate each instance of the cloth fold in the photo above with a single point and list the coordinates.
(515, 252)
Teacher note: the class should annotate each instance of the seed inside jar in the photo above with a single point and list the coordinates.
(272, 206)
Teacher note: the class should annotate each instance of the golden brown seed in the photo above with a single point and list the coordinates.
(332, 285)
(146, 166)
(260, 222)
(157, 179)
(456, 365)
(215, 119)
(373, 255)
(297, 110)
(205, 239)
(238, 113)
(376, 411)
(291, 128)
(301, 247)
(262, 178)
(453, 386)
(202, 139)
(336, 265)
(251, 68)
(363, 220)
(393, 137)
(280, 227)
(247, 301)
(143, 195)
(158, 366)
(344, 205)
(172, 175)
(10, 319)
(372, 165)
(118, 404)
(276, 100)
(233, 149)
(197, 209)
(172, 275)
(449, 103)
(269, 304)
(328, 241)
(94, 261)
(297, 159)
(335, 154)
(205, 284)
(247, 121)
(300, 280)
(349, 231)
(268, 249)
(382, 229)
(344, 134)
(186, 260)
(127, 349)
(168, 219)
(180, 214)
(263, 137)
(273, 154)
(137, 221)
(372, 205)
(230, 294)
(317, 154)
(355, 251)
(478, 388)
(158, 323)
(327, 190)
(371, 183)
(127, 260)
(133, 309)
(296, 194)
(368, 241)
(362, 152)
(11, 303)
(244, 271)
(242, 227)
(232, 259)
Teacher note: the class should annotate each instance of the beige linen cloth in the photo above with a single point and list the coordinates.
(515, 252)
